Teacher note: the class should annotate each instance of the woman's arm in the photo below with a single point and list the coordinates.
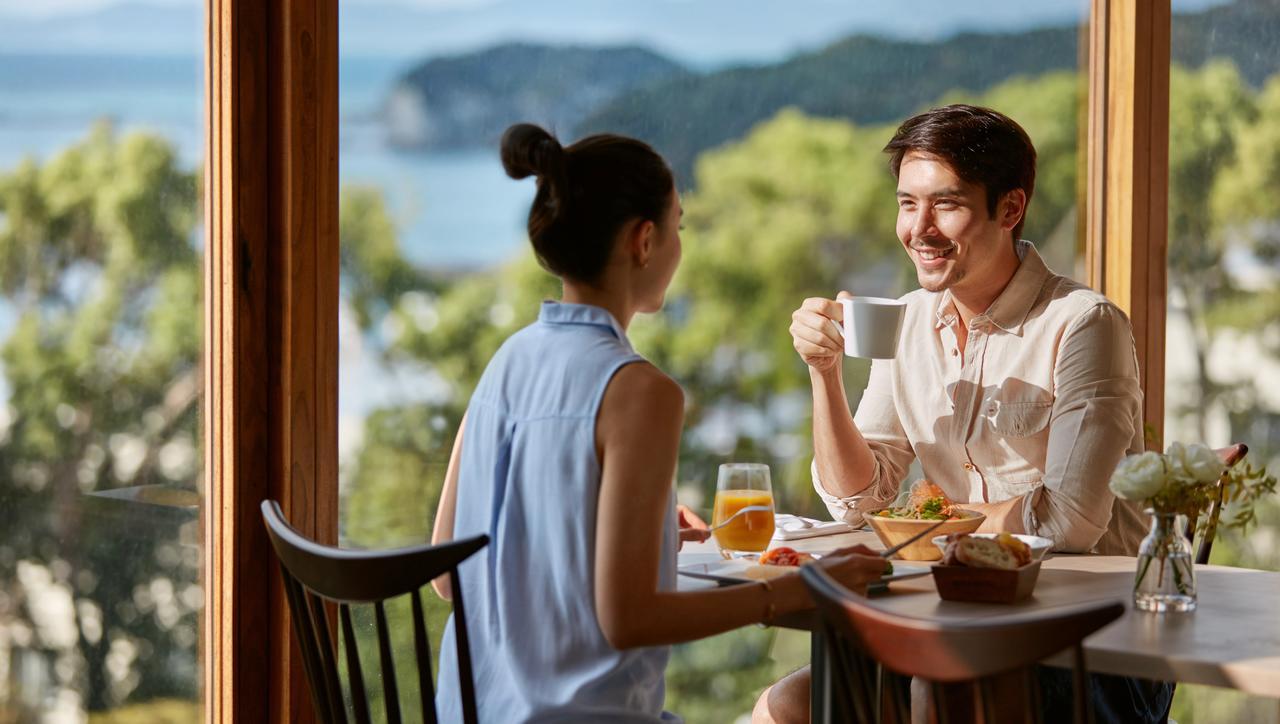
(442, 532)
(638, 439)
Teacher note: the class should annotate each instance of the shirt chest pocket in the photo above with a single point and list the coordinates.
(1018, 418)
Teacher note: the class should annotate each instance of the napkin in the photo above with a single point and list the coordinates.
(794, 527)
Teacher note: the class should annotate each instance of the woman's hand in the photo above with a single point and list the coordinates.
(816, 332)
(692, 527)
(854, 567)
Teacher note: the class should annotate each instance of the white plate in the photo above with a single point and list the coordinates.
(738, 570)
(1039, 546)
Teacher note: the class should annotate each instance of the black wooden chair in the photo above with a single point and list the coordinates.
(314, 572)
(977, 671)
(1230, 455)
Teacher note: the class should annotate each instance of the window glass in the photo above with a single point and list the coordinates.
(773, 118)
(1222, 344)
(100, 343)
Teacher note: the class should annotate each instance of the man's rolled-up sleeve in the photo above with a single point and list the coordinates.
(1097, 413)
(877, 419)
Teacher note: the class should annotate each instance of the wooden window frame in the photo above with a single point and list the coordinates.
(1127, 205)
(271, 335)
(271, 296)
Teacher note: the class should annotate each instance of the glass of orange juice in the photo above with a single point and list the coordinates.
(740, 485)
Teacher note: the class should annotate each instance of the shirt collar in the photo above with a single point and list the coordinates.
(944, 311)
(586, 314)
(1009, 311)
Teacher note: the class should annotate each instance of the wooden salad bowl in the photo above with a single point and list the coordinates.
(893, 531)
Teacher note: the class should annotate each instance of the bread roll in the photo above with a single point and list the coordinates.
(966, 550)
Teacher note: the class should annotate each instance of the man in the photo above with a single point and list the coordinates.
(1016, 389)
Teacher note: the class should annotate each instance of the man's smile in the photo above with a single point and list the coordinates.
(933, 253)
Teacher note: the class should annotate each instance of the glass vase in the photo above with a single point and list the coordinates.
(1166, 577)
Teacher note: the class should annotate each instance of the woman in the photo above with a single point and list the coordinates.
(566, 457)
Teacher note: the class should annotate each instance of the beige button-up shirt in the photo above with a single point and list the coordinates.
(1043, 404)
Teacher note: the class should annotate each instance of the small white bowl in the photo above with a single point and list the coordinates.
(1039, 546)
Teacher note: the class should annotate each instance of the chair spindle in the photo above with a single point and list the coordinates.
(328, 658)
(390, 689)
(302, 627)
(355, 673)
(466, 684)
(423, 650)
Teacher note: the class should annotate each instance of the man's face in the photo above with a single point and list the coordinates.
(945, 227)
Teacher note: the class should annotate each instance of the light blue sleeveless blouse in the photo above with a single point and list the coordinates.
(529, 478)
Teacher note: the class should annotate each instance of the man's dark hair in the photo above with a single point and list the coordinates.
(983, 146)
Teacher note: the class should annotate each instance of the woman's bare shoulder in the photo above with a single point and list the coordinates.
(641, 389)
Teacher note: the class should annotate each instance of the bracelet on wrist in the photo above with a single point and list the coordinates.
(770, 610)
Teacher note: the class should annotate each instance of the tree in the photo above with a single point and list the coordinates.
(1245, 213)
(1207, 109)
(100, 268)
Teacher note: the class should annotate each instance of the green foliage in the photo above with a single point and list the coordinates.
(715, 680)
(1242, 200)
(1209, 108)
(457, 332)
(1243, 487)
(156, 711)
(1211, 704)
(861, 79)
(99, 267)
(873, 80)
(1220, 210)
(374, 273)
(1051, 109)
(402, 444)
(1255, 549)
(799, 207)
(788, 213)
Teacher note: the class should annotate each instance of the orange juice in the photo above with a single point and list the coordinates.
(749, 531)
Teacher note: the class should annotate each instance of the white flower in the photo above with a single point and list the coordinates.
(1202, 463)
(1139, 477)
(1176, 456)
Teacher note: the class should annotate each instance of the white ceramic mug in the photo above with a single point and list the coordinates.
(872, 326)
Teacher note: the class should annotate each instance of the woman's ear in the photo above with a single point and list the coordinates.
(1013, 206)
(641, 241)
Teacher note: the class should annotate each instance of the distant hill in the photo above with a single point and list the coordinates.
(1247, 32)
(862, 77)
(468, 100)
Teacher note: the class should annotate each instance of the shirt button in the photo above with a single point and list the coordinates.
(955, 353)
(968, 466)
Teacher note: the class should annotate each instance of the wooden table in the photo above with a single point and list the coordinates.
(1232, 640)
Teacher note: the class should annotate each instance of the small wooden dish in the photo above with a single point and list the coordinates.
(893, 531)
(985, 585)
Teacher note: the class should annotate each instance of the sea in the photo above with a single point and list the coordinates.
(454, 210)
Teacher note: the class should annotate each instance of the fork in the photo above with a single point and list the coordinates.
(744, 509)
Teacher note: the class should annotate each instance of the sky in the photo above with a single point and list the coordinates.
(62, 8)
(701, 32)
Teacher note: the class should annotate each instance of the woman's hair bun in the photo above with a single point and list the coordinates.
(529, 150)
(586, 193)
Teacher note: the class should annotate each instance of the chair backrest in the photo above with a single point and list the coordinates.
(314, 573)
(983, 654)
(1230, 455)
